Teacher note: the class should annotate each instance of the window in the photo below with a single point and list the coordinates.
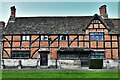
(44, 37)
(63, 37)
(96, 21)
(26, 38)
(98, 55)
(96, 36)
(68, 56)
(20, 54)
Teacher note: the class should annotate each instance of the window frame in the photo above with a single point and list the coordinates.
(20, 53)
(65, 36)
(43, 37)
(26, 38)
(66, 56)
(96, 54)
(95, 35)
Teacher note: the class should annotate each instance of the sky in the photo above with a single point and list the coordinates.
(25, 9)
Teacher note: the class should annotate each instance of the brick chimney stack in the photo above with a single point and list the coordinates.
(2, 26)
(13, 11)
(103, 11)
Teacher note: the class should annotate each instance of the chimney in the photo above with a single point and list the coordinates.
(2, 26)
(103, 11)
(13, 11)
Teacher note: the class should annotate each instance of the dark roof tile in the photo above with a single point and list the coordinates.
(47, 25)
(53, 25)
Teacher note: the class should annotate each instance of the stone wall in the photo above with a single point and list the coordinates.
(29, 62)
(20, 62)
(68, 64)
(10, 62)
(110, 64)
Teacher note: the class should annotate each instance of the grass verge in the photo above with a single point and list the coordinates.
(59, 74)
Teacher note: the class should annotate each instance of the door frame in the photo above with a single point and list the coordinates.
(87, 59)
(46, 53)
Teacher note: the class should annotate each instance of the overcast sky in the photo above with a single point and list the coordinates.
(57, 9)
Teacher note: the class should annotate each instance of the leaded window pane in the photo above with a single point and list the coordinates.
(98, 55)
(25, 37)
(44, 37)
(68, 56)
(20, 54)
(63, 37)
(96, 36)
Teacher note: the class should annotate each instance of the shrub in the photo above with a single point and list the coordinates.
(96, 63)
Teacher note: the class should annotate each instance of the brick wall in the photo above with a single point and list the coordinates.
(109, 44)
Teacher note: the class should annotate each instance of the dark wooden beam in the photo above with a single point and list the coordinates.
(34, 40)
(30, 43)
(73, 40)
(49, 42)
(118, 47)
(111, 46)
(53, 40)
(83, 40)
(58, 41)
(20, 41)
(78, 40)
(34, 53)
(2, 49)
(7, 40)
(7, 53)
(11, 45)
(68, 41)
(39, 40)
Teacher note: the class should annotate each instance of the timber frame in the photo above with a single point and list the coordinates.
(50, 42)
(34, 44)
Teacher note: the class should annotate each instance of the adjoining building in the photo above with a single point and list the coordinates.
(60, 41)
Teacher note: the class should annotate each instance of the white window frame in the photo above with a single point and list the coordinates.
(25, 37)
(43, 37)
(63, 36)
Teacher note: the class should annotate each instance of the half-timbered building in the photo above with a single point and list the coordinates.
(47, 41)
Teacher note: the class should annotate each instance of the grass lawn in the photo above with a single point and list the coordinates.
(59, 74)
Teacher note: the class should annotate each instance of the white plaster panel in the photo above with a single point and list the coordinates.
(71, 64)
(11, 62)
(29, 62)
(51, 62)
(110, 63)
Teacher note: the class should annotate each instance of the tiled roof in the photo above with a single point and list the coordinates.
(47, 25)
(52, 25)
(116, 24)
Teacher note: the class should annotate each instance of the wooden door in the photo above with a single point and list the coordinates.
(84, 60)
(43, 59)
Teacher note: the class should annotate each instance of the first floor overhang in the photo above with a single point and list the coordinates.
(74, 49)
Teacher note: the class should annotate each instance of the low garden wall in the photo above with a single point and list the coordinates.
(110, 64)
(69, 64)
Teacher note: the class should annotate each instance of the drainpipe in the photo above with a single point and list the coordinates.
(56, 64)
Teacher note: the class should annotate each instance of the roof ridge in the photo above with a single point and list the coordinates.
(50, 16)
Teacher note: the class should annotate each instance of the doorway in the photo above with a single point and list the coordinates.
(43, 59)
(84, 58)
